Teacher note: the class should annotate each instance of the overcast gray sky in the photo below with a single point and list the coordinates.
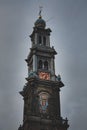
(69, 37)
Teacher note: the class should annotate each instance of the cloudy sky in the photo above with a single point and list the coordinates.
(68, 22)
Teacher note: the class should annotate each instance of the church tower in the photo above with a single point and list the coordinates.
(41, 93)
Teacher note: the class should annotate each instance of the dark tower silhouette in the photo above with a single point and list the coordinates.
(41, 93)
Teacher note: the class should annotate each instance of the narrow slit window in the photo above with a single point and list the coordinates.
(40, 64)
(40, 40)
(46, 65)
(44, 41)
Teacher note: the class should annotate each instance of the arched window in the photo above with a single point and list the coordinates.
(46, 65)
(44, 41)
(40, 40)
(40, 64)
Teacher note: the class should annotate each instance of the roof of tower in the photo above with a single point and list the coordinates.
(40, 23)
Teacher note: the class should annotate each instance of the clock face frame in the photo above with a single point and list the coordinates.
(44, 75)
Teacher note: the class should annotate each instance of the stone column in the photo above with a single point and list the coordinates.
(47, 40)
(36, 38)
(52, 69)
(34, 62)
(28, 70)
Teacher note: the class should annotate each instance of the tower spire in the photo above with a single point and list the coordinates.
(40, 11)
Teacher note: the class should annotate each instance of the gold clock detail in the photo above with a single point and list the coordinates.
(44, 75)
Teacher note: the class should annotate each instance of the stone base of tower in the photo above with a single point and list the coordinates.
(40, 123)
(34, 119)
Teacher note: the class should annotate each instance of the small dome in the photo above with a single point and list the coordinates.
(40, 23)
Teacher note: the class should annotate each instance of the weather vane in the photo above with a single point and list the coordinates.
(40, 10)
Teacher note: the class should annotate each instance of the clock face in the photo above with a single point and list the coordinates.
(44, 75)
